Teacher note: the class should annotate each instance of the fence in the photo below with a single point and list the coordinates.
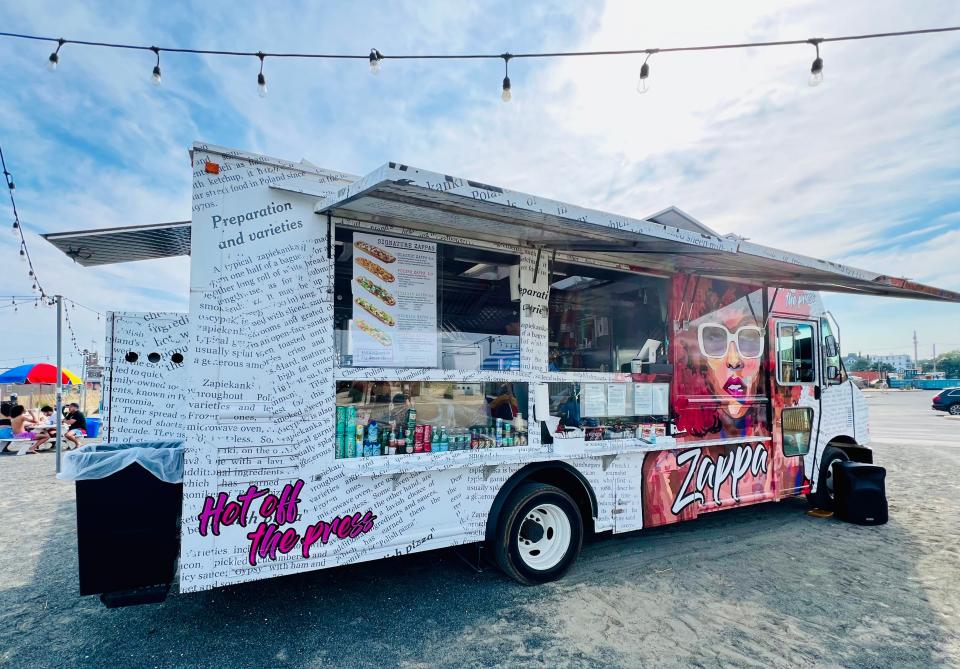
(924, 384)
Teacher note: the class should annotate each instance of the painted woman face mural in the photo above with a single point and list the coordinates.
(731, 345)
(718, 358)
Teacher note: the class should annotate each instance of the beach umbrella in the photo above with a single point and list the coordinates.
(41, 372)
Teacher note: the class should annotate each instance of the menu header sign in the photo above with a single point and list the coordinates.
(394, 320)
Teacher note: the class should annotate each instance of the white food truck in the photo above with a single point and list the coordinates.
(406, 361)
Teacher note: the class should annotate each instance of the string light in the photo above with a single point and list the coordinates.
(54, 58)
(643, 84)
(261, 80)
(375, 58)
(506, 95)
(816, 69)
(156, 78)
(23, 253)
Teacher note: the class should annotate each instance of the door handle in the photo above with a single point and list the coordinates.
(816, 392)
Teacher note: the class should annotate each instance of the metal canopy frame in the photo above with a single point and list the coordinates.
(124, 244)
(409, 197)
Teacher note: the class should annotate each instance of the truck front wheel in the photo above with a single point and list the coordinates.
(823, 497)
(539, 534)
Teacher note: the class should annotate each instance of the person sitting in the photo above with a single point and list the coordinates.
(76, 424)
(6, 425)
(18, 418)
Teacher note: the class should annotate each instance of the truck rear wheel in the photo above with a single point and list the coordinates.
(823, 497)
(539, 534)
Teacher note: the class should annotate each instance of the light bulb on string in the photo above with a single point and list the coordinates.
(23, 254)
(816, 68)
(156, 79)
(643, 83)
(10, 184)
(375, 58)
(54, 58)
(16, 229)
(261, 80)
(505, 93)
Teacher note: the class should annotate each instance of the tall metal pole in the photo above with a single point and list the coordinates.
(59, 299)
(934, 359)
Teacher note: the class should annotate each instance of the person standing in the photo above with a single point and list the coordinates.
(76, 424)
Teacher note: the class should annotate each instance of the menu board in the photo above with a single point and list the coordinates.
(394, 302)
(643, 399)
(661, 399)
(651, 399)
(593, 400)
(617, 400)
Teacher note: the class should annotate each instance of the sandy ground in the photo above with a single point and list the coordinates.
(767, 586)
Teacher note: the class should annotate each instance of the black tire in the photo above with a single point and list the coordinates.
(954, 409)
(823, 497)
(519, 522)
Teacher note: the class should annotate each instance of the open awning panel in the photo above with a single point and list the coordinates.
(126, 244)
(408, 197)
(397, 194)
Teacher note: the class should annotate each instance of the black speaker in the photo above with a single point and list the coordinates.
(858, 493)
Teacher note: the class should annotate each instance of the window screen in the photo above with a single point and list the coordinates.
(600, 319)
(403, 302)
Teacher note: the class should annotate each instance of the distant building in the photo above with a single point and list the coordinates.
(900, 362)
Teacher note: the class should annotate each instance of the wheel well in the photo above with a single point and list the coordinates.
(854, 451)
(559, 474)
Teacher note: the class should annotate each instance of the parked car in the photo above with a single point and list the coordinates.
(858, 381)
(948, 400)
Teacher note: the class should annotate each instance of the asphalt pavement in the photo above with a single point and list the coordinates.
(762, 586)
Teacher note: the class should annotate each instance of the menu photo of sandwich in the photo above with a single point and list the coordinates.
(377, 290)
(375, 311)
(370, 249)
(377, 334)
(376, 270)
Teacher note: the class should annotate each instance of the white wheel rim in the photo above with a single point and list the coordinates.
(955, 410)
(543, 537)
(829, 478)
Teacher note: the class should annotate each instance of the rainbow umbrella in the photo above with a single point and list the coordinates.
(40, 372)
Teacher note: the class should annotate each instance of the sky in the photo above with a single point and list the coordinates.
(862, 169)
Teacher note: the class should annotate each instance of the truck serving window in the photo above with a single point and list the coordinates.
(403, 302)
(601, 411)
(795, 353)
(381, 418)
(600, 319)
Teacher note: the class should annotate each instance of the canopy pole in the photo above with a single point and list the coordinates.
(59, 299)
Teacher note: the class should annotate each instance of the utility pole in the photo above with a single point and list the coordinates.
(59, 442)
(916, 358)
(934, 359)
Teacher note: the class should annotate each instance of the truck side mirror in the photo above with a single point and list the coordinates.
(833, 373)
(830, 346)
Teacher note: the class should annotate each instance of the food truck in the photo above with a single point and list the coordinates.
(379, 366)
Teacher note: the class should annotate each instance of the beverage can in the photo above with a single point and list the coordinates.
(418, 433)
(427, 438)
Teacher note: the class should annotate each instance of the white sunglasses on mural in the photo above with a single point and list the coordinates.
(715, 338)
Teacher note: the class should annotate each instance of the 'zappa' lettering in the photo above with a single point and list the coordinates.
(704, 472)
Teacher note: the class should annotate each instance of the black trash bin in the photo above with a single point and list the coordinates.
(128, 519)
